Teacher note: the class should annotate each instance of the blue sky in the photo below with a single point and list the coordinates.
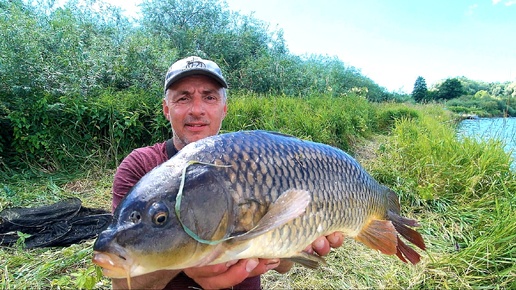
(395, 41)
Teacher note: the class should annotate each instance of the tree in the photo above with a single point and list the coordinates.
(482, 94)
(190, 26)
(450, 89)
(420, 92)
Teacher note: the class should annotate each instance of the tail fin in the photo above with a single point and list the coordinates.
(383, 235)
(400, 224)
(403, 251)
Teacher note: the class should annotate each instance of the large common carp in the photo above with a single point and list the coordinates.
(250, 194)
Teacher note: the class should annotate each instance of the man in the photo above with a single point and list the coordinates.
(195, 106)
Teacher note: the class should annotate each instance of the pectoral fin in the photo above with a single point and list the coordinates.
(311, 261)
(291, 204)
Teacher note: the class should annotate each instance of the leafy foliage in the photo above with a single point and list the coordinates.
(482, 105)
(492, 100)
(420, 91)
(389, 114)
(69, 68)
(337, 121)
(51, 134)
(468, 97)
(450, 89)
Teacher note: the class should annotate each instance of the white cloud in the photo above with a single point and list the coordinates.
(506, 2)
(471, 9)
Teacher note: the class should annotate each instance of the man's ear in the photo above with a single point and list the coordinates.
(165, 108)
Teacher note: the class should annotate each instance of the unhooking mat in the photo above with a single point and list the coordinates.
(61, 224)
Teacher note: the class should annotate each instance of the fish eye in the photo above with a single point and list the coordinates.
(160, 218)
(159, 213)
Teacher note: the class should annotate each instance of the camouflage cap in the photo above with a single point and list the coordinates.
(193, 65)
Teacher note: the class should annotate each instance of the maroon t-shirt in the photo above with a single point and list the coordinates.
(135, 166)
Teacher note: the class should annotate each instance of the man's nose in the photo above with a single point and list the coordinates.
(197, 107)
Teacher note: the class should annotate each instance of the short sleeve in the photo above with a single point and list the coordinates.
(134, 167)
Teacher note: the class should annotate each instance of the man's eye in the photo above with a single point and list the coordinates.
(182, 100)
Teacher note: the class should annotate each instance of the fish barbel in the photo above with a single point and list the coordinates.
(250, 194)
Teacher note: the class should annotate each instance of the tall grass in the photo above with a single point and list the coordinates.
(464, 191)
(460, 189)
(322, 118)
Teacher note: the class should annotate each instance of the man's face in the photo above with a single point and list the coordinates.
(195, 107)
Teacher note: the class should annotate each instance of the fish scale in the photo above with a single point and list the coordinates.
(250, 194)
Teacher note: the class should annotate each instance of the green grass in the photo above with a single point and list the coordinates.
(336, 121)
(461, 191)
(53, 268)
(464, 191)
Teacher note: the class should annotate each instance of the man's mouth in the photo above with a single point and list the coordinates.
(195, 126)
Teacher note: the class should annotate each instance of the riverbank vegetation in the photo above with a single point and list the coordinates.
(461, 191)
(469, 98)
(79, 89)
(72, 67)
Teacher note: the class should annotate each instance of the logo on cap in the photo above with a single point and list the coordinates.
(195, 64)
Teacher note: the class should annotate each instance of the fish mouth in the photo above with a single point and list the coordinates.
(113, 265)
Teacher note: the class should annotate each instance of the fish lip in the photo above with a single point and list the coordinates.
(114, 265)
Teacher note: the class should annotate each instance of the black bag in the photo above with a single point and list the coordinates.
(61, 224)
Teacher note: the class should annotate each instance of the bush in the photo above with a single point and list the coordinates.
(483, 107)
(74, 130)
(55, 134)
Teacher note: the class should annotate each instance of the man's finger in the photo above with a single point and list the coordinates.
(336, 239)
(216, 279)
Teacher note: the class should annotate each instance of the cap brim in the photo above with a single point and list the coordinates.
(196, 71)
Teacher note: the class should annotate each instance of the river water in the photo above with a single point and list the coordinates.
(503, 129)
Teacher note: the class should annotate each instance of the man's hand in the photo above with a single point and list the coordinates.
(323, 245)
(231, 273)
